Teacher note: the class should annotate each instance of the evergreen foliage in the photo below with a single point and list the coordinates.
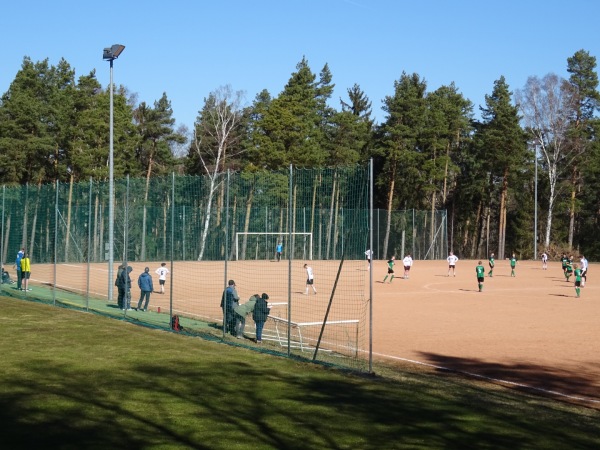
(429, 152)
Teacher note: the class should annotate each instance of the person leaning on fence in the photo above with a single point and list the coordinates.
(241, 311)
(229, 301)
(146, 288)
(259, 315)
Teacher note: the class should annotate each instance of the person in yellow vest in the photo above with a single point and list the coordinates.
(26, 271)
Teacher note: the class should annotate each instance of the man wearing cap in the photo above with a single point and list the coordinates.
(146, 287)
(229, 301)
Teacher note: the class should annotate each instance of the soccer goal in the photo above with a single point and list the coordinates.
(263, 245)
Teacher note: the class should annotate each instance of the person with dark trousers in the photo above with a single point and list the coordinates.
(259, 315)
(124, 287)
(241, 312)
(146, 288)
(20, 255)
(229, 301)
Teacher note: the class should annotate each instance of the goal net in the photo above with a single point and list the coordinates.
(263, 245)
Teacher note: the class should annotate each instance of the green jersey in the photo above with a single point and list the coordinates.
(391, 264)
(577, 274)
(480, 270)
(492, 262)
(513, 262)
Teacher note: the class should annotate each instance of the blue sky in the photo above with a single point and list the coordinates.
(190, 48)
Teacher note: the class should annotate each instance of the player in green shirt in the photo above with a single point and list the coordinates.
(390, 269)
(577, 280)
(492, 264)
(513, 264)
(480, 271)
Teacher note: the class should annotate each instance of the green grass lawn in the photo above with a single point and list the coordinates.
(75, 380)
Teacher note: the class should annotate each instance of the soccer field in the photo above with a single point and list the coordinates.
(529, 330)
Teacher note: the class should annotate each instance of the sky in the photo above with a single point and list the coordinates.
(188, 49)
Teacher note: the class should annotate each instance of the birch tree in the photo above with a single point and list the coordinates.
(547, 105)
(216, 138)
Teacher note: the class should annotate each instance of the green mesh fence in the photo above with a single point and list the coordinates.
(208, 231)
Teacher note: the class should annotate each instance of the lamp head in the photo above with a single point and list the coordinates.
(113, 52)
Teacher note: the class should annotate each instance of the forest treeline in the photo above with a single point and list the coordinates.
(430, 152)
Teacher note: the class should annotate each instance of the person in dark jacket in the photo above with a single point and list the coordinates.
(259, 315)
(146, 288)
(229, 301)
(124, 287)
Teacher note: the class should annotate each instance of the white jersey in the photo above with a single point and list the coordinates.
(309, 273)
(368, 254)
(584, 264)
(452, 260)
(162, 273)
(544, 257)
(407, 261)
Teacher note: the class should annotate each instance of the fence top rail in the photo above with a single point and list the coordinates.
(306, 324)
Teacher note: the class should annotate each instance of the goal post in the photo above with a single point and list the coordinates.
(256, 245)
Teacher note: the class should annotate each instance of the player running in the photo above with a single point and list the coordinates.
(390, 271)
(491, 264)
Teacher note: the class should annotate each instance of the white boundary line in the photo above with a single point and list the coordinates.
(496, 380)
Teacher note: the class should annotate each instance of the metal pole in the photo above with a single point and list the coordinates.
(371, 265)
(56, 242)
(289, 331)
(2, 237)
(111, 195)
(535, 218)
(87, 287)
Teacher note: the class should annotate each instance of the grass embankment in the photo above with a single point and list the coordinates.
(76, 380)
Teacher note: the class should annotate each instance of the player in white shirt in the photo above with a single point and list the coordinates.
(584, 269)
(544, 261)
(162, 273)
(368, 255)
(452, 259)
(310, 279)
(407, 262)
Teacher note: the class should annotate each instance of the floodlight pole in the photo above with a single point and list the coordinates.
(535, 211)
(110, 54)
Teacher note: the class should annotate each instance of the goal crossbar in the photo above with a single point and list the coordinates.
(272, 233)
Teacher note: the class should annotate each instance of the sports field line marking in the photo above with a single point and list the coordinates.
(496, 380)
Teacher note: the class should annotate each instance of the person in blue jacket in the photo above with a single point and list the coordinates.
(146, 288)
(20, 255)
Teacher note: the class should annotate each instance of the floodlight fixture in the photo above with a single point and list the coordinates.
(113, 52)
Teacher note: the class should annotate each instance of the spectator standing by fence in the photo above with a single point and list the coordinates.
(259, 315)
(124, 288)
(25, 272)
(229, 301)
(146, 288)
(20, 255)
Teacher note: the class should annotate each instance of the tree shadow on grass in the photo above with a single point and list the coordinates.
(554, 381)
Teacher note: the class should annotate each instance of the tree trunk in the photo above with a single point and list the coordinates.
(502, 216)
(330, 224)
(145, 209)
(247, 220)
(390, 202)
(69, 207)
